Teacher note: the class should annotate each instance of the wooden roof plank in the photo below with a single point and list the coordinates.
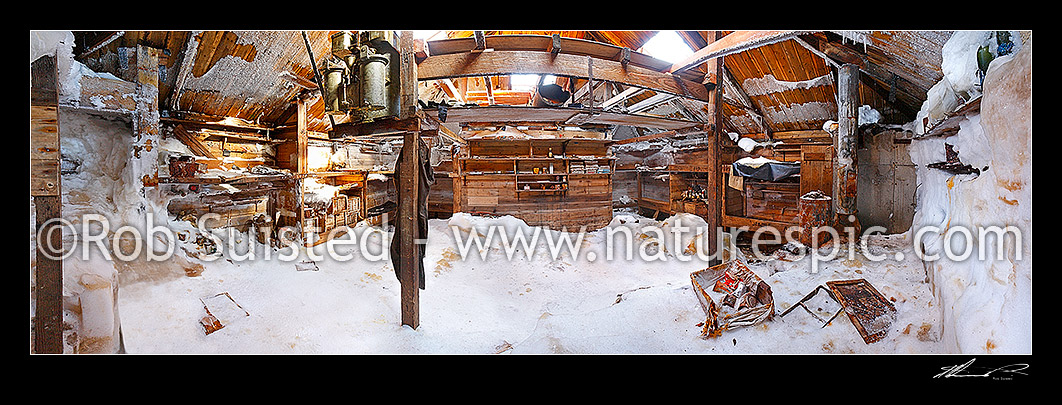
(735, 42)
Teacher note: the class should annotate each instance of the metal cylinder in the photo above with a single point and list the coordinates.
(550, 95)
(814, 217)
(352, 85)
(334, 92)
(374, 76)
(341, 43)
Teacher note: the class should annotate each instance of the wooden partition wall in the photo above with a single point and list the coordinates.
(559, 183)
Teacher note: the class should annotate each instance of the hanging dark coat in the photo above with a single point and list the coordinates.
(426, 179)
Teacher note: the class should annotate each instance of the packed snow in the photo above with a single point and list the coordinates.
(497, 300)
(989, 300)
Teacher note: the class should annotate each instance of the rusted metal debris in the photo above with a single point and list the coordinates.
(870, 312)
(212, 323)
(736, 287)
(183, 166)
(952, 164)
(306, 265)
(813, 218)
(818, 311)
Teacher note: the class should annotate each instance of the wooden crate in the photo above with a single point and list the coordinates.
(697, 208)
(339, 204)
(772, 201)
(353, 204)
(311, 225)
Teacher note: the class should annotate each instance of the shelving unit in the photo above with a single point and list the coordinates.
(505, 176)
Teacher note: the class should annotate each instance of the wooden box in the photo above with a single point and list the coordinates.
(696, 208)
(339, 204)
(772, 201)
(311, 224)
(353, 204)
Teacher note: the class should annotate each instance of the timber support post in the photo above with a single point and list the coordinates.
(407, 221)
(715, 183)
(844, 181)
(409, 185)
(45, 190)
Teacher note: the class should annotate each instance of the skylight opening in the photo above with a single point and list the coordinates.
(667, 46)
(523, 82)
(426, 35)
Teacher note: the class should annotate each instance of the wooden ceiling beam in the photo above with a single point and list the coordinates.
(653, 101)
(451, 90)
(102, 43)
(744, 101)
(188, 54)
(621, 97)
(498, 63)
(841, 54)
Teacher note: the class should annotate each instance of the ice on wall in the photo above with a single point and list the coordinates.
(868, 115)
(961, 81)
(810, 111)
(985, 303)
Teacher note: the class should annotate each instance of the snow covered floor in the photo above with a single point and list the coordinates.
(516, 306)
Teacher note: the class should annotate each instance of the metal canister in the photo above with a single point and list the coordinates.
(334, 91)
(342, 43)
(374, 77)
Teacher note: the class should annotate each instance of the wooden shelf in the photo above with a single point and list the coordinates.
(544, 190)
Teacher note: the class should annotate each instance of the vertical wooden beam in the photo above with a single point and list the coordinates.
(302, 152)
(407, 75)
(407, 221)
(490, 89)
(844, 183)
(45, 190)
(302, 134)
(409, 184)
(145, 160)
(714, 183)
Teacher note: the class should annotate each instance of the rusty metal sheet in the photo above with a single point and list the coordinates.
(717, 319)
(870, 312)
(225, 311)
